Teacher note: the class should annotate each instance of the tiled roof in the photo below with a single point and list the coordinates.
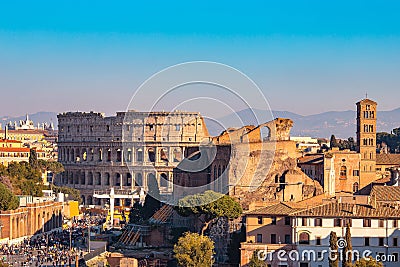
(366, 101)
(276, 209)
(386, 193)
(388, 159)
(162, 215)
(340, 210)
(14, 149)
(17, 149)
(311, 159)
(9, 141)
(24, 131)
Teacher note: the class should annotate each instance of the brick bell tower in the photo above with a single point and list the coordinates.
(366, 140)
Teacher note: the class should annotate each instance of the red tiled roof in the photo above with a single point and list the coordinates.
(388, 159)
(311, 159)
(346, 210)
(277, 209)
(9, 141)
(14, 149)
(17, 149)
(25, 131)
(386, 193)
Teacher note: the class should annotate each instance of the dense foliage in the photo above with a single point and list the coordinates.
(141, 214)
(255, 261)
(24, 178)
(368, 262)
(8, 201)
(392, 140)
(69, 192)
(342, 144)
(347, 250)
(194, 250)
(334, 257)
(208, 207)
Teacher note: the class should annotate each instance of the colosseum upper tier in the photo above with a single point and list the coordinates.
(124, 151)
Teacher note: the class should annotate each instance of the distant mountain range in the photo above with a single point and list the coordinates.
(340, 123)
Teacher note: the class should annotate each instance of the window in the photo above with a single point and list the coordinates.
(395, 242)
(355, 187)
(395, 224)
(119, 155)
(343, 172)
(303, 221)
(109, 155)
(366, 241)
(318, 221)
(287, 239)
(128, 156)
(139, 155)
(337, 222)
(381, 241)
(381, 223)
(356, 172)
(395, 257)
(304, 238)
(259, 238)
(177, 127)
(273, 220)
(260, 219)
(318, 241)
(367, 222)
(108, 128)
(273, 238)
(287, 220)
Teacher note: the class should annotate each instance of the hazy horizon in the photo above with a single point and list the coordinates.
(307, 57)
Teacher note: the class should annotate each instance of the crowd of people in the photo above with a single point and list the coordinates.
(41, 250)
(58, 248)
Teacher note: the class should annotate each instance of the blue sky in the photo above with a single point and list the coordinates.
(306, 56)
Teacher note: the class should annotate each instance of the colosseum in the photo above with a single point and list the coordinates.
(124, 151)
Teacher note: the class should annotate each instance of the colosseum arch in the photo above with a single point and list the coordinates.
(107, 180)
(77, 155)
(90, 178)
(83, 178)
(97, 178)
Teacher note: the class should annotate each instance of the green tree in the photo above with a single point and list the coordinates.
(30, 188)
(51, 166)
(333, 142)
(208, 207)
(255, 261)
(396, 131)
(72, 193)
(8, 201)
(368, 262)
(33, 160)
(334, 256)
(234, 246)
(194, 250)
(347, 255)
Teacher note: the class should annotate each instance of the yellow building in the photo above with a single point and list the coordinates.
(12, 150)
